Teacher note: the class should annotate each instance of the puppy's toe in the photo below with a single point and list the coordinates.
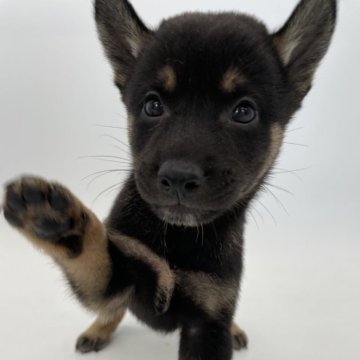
(86, 344)
(161, 302)
(239, 338)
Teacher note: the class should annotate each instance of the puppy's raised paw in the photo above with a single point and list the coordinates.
(47, 213)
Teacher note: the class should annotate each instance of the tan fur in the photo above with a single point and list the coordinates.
(91, 269)
(208, 291)
(104, 326)
(277, 135)
(134, 248)
(239, 337)
(231, 79)
(167, 76)
(119, 77)
(130, 127)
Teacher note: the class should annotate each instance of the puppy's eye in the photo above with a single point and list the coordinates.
(244, 113)
(153, 107)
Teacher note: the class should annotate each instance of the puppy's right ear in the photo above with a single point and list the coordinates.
(122, 34)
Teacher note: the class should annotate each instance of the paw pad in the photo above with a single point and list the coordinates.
(46, 211)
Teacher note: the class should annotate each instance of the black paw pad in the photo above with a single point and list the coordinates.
(32, 195)
(14, 201)
(51, 229)
(13, 219)
(58, 201)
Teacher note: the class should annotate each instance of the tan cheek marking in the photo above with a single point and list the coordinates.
(168, 78)
(231, 79)
(277, 135)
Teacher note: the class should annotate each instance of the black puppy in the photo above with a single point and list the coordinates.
(209, 97)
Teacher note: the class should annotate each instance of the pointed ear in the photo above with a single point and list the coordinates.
(304, 40)
(122, 34)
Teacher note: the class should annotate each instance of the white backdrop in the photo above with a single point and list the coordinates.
(301, 292)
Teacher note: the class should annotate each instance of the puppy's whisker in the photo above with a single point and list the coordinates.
(121, 149)
(254, 218)
(296, 144)
(103, 172)
(202, 235)
(121, 115)
(111, 127)
(117, 140)
(276, 199)
(285, 171)
(267, 210)
(197, 233)
(253, 207)
(112, 187)
(112, 161)
(124, 160)
(279, 188)
(295, 129)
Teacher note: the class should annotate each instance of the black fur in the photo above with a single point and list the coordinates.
(196, 128)
(209, 97)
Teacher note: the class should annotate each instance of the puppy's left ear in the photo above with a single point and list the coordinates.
(304, 39)
(122, 34)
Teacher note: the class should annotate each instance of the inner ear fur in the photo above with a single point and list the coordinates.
(304, 39)
(122, 34)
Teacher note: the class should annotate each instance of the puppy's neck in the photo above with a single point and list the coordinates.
(132, 216)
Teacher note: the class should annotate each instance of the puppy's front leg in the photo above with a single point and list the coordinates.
(55, 221)
(206, 340)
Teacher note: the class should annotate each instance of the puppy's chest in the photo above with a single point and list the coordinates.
(186, 254)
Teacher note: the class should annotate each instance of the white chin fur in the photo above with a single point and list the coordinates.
(185, 220)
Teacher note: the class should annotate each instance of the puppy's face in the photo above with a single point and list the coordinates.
(207, 116)
(209, 97)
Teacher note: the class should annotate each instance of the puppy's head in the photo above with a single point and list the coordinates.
(208, 99)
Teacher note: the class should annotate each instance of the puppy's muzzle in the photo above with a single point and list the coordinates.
(179, 179)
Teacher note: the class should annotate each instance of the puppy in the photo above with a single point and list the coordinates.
(209, 97)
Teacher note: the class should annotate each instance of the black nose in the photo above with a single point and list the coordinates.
(179, 178)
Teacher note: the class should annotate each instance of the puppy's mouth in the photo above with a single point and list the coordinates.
(181, 215)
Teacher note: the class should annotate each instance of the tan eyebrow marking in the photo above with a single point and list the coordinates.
(167, 76)
(232, 78)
